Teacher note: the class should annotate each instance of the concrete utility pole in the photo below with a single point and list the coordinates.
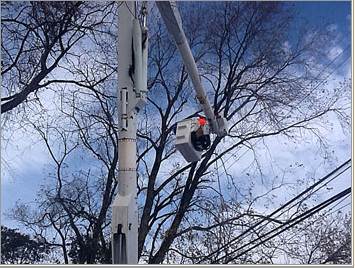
(131, 97)
(132, 88)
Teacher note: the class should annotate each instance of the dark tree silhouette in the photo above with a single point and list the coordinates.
(257, 68)
(18, 248)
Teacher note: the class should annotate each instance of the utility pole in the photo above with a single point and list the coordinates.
(131, 97)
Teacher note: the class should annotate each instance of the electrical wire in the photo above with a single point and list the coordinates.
(132, 12)
(332, 61)
(279, 209)
(312, 90)
(330, 212)
(294, 221)
(305, 198)
(345, 194)
(269, 217)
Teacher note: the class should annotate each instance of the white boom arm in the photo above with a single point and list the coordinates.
(172, 20)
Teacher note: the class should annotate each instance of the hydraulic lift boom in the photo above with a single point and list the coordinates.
(187, 130)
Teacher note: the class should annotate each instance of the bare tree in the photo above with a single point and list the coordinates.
(251, 74)
(324, 239)
(37, 36)
(256, 75)
(69, 205)
(74, 207)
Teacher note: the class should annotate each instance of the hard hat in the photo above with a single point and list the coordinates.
(202, 121)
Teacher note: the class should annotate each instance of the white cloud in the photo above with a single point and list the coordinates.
(348, 18)
(22, 154)
(334, 52)
(332, 27)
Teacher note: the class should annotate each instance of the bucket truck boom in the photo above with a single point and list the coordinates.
(217, 124)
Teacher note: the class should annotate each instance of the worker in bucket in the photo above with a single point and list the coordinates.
(199, 139)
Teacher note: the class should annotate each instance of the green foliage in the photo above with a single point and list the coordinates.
(18, 248)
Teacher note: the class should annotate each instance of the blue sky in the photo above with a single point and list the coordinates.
(323, 12)
(27, 169)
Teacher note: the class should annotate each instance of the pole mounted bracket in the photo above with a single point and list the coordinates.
(125, 229)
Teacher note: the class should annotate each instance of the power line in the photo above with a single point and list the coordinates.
(330, 209)
(332, 61)
(333, 178)
(309, 93)
(327, 176)
(295, 221)
(289, 221)
(282, 207)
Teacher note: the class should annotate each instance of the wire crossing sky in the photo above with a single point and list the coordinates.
(295, 159)
(271, 217)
